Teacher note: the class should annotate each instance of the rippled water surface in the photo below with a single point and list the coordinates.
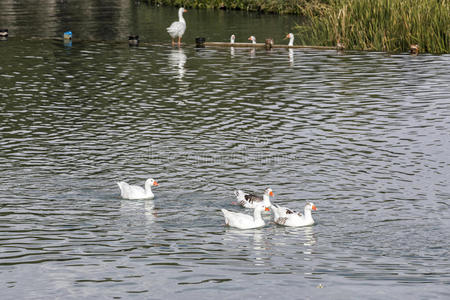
(365, 136)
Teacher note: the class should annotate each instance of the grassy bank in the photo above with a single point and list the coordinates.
(379, 25)
(268, 6)
(374, 25)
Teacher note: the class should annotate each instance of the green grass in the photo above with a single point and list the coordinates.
(373, 25)
(379, 25)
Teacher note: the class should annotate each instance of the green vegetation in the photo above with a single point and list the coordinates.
(269, 6)
(379, 25)
(374, 25)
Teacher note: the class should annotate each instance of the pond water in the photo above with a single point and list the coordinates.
(365, 136)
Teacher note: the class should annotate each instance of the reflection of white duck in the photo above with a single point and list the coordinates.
(287, 217)
(290, 36)
(251, 201)
(177, 28)
(128, 191)
(149, 210)
(243, 221)
(253, 39)
(232, 39)
(291, 56)
(177, 59)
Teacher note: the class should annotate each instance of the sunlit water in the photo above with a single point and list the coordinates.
(365, 136)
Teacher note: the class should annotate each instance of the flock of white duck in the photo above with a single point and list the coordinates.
(282, 215)
(177, 29)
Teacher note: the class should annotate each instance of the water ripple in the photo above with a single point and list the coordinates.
(355, 133)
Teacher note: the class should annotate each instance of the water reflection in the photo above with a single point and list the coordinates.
(137, 212)
(177, 59)
(291, 57)
(232, 52)
(252, 53)
(150, 211)
(254, 239)
(353, 132)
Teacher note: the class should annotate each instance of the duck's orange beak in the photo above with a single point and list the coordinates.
(287, 36)
(185, 10)
(313, 207)
(155, 183)
(250, 38)
(271, 194)
(267, 209)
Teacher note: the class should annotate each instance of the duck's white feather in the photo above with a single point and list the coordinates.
(251, 201)
(177, 28)
(132, 192)
(288, 217)
(243, 221)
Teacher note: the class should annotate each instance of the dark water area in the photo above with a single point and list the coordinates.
(365, 136)
(116, 20)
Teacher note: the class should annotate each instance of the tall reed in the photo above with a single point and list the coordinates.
(379, 25)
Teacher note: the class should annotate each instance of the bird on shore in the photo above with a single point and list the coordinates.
(290, 36)
(339, 45)
(253, 39)
(243, 221)
(232, 38)
(414, 49)
(269, 43)
(133, 192)
(177, 28)
(288, 217)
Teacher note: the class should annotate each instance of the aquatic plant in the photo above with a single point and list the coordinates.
(379, 25)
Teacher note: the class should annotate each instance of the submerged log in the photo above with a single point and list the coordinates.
(262, 45)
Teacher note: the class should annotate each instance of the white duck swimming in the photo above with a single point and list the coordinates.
(232, 39)
(133, 192)
(288, 217)
(290, 36)
(251, 201)
(243, 221)
(178, 28)
(253, 39)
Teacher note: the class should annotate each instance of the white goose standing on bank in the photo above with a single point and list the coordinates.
(232, 39)
(290, 36)
(251, 201)
(288, 217)
(177, 28)
(253, 39)
(134, 192)
(243, 221)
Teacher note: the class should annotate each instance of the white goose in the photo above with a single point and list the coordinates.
(232, 39)
(290, 36)
(133, 192)
(243, 221)
(251, 201)
(253, 39)
(178, 28)
(288, 217)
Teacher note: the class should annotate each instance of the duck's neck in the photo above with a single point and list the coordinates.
(148, 188)
(291, 41)
(266, 200)
(275, 212)
(257, 215)
(253, 41)
(180, 17)
(308, 214)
